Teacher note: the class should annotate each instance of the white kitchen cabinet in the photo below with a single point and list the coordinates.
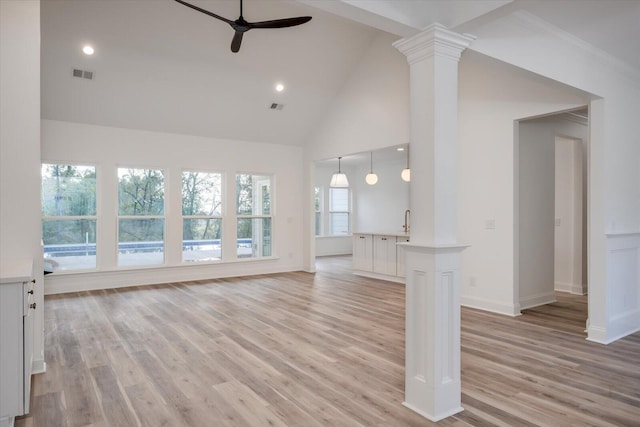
(17, 305)
(363, 252)
(377, 255)
(384, 255)
(400, 256)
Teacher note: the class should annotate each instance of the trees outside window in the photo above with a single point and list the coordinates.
(69, 219)
(140, 217)
(254, 214)
(201, 216)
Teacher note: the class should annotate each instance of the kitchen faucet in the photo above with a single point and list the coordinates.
(405, 227)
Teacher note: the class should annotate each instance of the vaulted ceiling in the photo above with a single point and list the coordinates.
(164, 67)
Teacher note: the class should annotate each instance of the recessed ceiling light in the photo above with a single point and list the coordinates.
(279, 87)
(400, 149)
(88, 50)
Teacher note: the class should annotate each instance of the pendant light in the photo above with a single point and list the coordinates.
(339, 180)
(406, 172)
(371, 177)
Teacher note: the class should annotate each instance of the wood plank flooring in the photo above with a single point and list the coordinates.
(306, 350)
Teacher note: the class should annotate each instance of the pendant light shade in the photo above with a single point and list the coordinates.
(371, 177)
(406, 172)
(339, 180)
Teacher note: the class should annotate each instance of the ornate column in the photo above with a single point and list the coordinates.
(432, 371)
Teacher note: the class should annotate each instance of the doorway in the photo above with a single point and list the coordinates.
(551, 201)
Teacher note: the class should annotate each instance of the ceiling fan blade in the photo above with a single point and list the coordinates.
(206, 12)
(237, 40)
(280, 23)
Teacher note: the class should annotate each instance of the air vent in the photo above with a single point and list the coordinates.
(82, 74)
(276, 106)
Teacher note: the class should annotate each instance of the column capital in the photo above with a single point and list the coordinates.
(435, 40)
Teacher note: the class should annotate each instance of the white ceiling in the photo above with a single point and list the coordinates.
(161, 66)
(164, 67)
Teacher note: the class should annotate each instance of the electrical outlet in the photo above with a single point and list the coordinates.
(558, 222)
(490, 224)
(472, 282)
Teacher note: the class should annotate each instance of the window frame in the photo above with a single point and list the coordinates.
(318, 201)
(270, 216)
(162, 217)
(94, 217)
(332, 212)
(220, 216)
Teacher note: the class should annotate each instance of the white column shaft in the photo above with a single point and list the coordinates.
(432, 376)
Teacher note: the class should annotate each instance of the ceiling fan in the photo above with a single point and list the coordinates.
(241, 26)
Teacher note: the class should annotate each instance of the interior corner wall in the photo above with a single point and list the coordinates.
(492, 97)
(20, 147)
(109, 148)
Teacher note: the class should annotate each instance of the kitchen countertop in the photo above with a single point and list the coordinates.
(12, 271)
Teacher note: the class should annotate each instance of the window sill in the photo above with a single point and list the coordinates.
(160, 266)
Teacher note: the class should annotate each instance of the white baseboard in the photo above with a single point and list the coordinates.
(488, 305)
(537, 300)
(38, 366)
(372, 275)
(572, 288)
(432, 417)
(619, 327)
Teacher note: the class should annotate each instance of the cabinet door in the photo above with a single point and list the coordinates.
(384, 255)
(363, 252)
(401, 256)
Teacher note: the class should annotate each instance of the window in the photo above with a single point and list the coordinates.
(318, 210)
(140, 217)
(253, 204)
(339, 209)
(201, 216)
(69, 217)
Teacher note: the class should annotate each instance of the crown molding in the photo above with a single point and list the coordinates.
(617, 65)
(435, 40)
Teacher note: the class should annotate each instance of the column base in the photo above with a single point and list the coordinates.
(432, 376)
(430, 417)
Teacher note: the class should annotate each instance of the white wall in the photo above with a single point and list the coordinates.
(536, 210)
(570, 230)
(492, 97)
(536, 147)
(20, 146)
(110, 148)
(614, 187)
(370, 112)
(380, 207)
(372, 109)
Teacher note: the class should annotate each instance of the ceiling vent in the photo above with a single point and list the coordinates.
(276, 106)
(82, 74)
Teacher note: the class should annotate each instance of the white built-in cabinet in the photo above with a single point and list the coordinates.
(363, 252)
(384, 255)
(378, 256)
(17, 289)
(400, 263)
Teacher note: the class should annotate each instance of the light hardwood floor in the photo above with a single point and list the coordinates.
(306, 350)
